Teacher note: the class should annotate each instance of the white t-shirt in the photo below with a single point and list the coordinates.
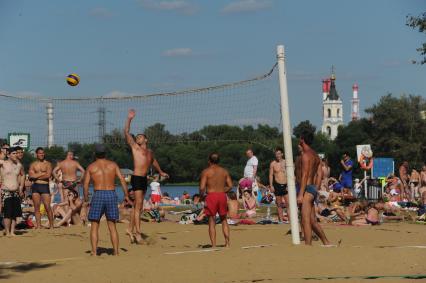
(249, 170)
(155, 188)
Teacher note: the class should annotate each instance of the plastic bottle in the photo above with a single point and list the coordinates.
(268, 213)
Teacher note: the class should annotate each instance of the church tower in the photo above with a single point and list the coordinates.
(332, 108)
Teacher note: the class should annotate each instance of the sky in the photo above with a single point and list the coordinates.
(146, 46)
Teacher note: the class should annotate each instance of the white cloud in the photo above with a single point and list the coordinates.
(241, 6)
(180, 6)
(101, 12)
(178, 52)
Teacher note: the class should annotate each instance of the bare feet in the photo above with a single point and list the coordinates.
(131, 236)
(139, 239)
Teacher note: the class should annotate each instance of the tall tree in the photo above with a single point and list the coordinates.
(419, 23)
(397, 128)
(304, 127)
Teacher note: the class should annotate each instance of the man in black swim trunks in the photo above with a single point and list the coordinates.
(40, 172)
(278, 182)
(310, 182)
(143, 158)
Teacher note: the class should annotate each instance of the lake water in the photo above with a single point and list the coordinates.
(173, 191)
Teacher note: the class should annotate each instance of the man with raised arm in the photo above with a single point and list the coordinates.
(311, 176)
(69, 168)
(40, 172)
(104, 201)
(143, 158)
(12, 190)
(215, 180)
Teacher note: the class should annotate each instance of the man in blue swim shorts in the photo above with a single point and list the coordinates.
(104, 201)
(311, 172)
(346, 176)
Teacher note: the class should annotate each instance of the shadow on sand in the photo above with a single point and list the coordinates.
(108, 251)
(20, 267)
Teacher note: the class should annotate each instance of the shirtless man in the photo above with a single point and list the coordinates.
(12, 191)
(40, 172)
(217, 182)
(3, 156)
(233, 205)
(278, 182)
(414, 184)
(69, 168)
(325, 174)
(310, 182)
(104, 201)
(405, 178)
(143, 158)
(422, 189)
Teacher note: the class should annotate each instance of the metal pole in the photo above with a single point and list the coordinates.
(49, 109)
(285, 115)
(365, 185)
(101, 123)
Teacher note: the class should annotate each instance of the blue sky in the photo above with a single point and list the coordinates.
(144, 46)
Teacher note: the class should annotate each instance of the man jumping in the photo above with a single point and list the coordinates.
(143, 158)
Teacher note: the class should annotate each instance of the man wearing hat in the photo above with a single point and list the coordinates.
(104, 201)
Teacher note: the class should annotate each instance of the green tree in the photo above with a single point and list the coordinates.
(397, 128)
(304, 127)
(419, 22)
(54, 154)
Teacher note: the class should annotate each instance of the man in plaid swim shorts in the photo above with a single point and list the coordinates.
(104, 201)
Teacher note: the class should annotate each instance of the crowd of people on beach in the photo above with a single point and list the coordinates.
(53, 193)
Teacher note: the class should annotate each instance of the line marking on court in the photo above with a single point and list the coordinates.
(194, 251)
(416, 247)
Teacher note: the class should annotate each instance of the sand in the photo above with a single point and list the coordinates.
(180, 253)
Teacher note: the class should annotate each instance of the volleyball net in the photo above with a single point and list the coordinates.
(249, 102)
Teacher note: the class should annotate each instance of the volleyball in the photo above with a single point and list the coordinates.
(73, 79)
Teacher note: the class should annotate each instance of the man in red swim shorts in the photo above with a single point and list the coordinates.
(217, 182)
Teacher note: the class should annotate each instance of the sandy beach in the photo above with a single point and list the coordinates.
(180, 253)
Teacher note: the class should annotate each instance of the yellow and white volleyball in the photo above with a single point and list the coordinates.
(73, 79)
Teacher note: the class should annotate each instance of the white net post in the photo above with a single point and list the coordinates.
(285, 114)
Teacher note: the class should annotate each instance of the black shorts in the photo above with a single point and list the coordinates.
(12, 207)
(139, 183)
(40, 189)
(280, 189)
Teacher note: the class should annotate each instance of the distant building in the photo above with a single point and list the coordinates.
(332, 108)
